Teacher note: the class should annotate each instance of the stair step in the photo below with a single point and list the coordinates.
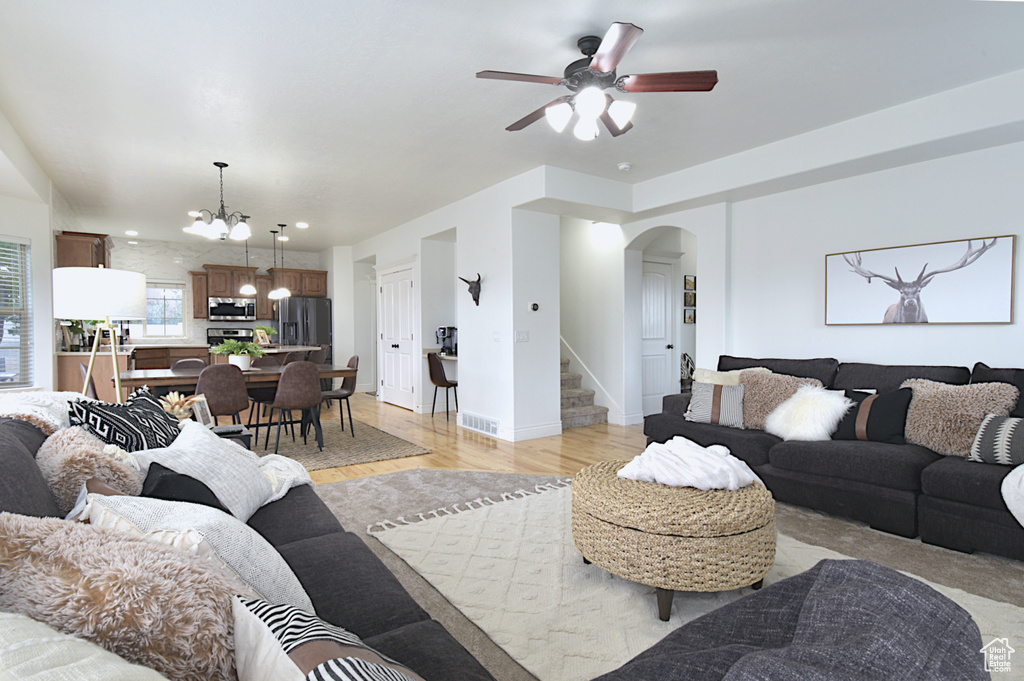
(565, 365)
(571, 381)
(578, 417)
(577, 397)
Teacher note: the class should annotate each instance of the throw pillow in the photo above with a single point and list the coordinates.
(875, 418)
(763, 392)
(139, 423)
(152, 605)
(230, 471)
(163, 483)
(33, 651)
(812, 413)
(280, 643)
(236, 545)
(718, 404)
(721, 377)
(945, 418)
(999, 440)
(71, 456)
(983, 373)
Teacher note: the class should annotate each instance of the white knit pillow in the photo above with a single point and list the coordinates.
(238, 546)
(231, 471)
(813, 413)
(31, 650)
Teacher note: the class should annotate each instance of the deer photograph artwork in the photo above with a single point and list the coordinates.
(951, 282)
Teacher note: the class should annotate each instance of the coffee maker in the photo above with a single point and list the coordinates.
(448, 338)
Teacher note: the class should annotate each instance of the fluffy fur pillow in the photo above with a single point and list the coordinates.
(945, 418)
(153, 605)
(71, 456)
(721, 377)
(812, 413)
(763, 392)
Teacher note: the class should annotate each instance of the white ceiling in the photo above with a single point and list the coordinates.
(358, 116)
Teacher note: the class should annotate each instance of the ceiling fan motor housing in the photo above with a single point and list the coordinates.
(579, 75)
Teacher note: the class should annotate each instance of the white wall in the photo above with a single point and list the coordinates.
(780, 242)
(364, 325)
(438, 308)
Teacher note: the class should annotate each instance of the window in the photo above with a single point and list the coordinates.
(165, 311)
(15, 313)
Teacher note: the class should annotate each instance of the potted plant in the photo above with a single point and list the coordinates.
(239, 353)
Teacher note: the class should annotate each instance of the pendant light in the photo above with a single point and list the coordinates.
(282, 292)
(247, 289)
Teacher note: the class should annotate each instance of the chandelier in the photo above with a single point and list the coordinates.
(219, 225)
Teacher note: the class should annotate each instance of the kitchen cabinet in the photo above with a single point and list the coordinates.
(224, 281)
(162, 357)
(83, 249)
(241, 276)
(264, 306)
(305, 283)
(200, 302)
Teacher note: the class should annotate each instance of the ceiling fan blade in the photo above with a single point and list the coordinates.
(681, 81)
(534, 116)
(612, 128)
(521, 77)
(614, 46)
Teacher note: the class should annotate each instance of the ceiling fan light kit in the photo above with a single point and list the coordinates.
(587, 78)
(219, 225)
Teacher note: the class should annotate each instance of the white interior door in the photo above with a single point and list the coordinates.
(396, 338)
(660, 371)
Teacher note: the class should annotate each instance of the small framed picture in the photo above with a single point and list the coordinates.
(690, 299)
(201, 413)
(689, 316)
(262, 338)
(689, 282)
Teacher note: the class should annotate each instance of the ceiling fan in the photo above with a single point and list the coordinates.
(587, 78)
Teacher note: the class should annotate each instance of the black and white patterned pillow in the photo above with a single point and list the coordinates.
(139, 423)
(260, 627)
(999, 440)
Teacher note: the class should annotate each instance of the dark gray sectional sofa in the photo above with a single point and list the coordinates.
(904, 489)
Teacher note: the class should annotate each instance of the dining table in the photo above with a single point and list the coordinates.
(187, 377)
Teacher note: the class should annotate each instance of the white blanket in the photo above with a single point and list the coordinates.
(1013, 493)
(684, 463)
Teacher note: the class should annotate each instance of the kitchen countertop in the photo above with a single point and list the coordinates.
(125, 349)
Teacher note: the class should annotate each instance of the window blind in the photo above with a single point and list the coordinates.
(15, 314)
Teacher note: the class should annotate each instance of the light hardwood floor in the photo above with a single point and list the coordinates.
(453, 448)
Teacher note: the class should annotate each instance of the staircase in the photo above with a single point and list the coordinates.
(578, 408)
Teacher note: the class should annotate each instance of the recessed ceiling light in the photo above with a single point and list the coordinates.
(194, 214)
(131, 232)
(133, 243)
(302, 225)
(282, 238)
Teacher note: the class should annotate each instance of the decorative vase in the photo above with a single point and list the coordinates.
(243, 362)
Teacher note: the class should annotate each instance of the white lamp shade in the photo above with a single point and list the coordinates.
(621, 112)
(558, 116)
(98, 293)
(590, 102)
(586, 129)
(247, 290)
(240, 232)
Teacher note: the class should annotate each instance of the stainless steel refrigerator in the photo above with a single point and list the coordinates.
(305, 321)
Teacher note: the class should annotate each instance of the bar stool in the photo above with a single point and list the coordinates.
(438, 378)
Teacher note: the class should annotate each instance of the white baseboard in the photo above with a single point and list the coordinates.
(531, 432)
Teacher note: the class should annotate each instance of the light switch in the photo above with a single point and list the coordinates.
(497, 337)
(522, 336)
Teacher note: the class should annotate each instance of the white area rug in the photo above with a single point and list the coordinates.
(512, 569)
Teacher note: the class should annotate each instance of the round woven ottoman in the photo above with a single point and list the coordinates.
(673, 538)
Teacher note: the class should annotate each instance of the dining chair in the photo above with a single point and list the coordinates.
(90, 391)
(188, 363)
(320, 357)
(440, 380)
(297, 390)
(299, 356)
(261, 396)
(223, 386)
(348, 387)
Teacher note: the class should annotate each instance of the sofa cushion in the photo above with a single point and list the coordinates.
(23, 489)
(1000, 440)
(428, 648)
(675, 403)
(874, 463)
(139, 423)
(299, 514)
(946, 418)
(823, 369)
(887, 378)
(716, 403)
(349, 585)
(813, 413)
(763, 393)
(751, 446)
(875, 418)
(969, 482)
(982, 373)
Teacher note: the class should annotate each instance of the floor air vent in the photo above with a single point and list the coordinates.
(481, 424)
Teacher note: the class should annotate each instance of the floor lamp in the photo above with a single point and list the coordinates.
(99, 293)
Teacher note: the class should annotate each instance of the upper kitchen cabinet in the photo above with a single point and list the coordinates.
(304, 283)
(83, 249)
(223, 281)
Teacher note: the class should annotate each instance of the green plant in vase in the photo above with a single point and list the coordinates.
(263, 334)
(239, 353)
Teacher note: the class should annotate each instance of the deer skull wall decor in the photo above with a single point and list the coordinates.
(474, 288)
(910, 309)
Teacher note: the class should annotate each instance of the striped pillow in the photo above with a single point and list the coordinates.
(999, 440)
(718, 404)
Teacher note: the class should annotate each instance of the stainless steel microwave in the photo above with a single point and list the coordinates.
(232, 309)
